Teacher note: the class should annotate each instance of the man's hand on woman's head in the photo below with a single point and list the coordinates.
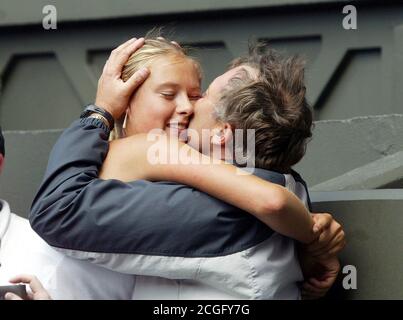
(331, 238)
(38, 291)
(113, 94)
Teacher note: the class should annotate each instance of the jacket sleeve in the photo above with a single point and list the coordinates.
(75, 211)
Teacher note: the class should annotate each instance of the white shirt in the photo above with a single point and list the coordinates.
(273, 267)
(22, 251)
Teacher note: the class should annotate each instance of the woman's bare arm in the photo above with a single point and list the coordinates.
(133, 158)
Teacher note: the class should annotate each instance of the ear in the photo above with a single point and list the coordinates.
(222, 134)
(1, 162)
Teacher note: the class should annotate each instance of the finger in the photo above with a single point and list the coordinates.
(21, 278)
(340, 240)
(176, 44)
(333, 247)
(338, 248)
(36, 286)
(105, 66)
(31, 280)
(310, 287)
(12, 296)
(314, 291)
(126, 52)
(137, 79)
(309, 291)
(317, 228)
(322, 219)
(114, 53)
(124, 45)
(119, 60)
(320, 244)
(321, 284)
(323, 243)
(329, 253)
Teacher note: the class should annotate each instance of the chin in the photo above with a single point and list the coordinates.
(180, 134)
(193, 143)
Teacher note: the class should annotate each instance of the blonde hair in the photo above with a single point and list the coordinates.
(154, 47)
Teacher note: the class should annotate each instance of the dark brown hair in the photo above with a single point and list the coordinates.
(273, 103)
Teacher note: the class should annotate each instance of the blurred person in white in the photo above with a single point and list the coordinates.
(24, 253)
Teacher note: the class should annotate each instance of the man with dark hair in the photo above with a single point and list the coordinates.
(265, 93)
(273, 104)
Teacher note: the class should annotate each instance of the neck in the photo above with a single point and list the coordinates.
(221, 153)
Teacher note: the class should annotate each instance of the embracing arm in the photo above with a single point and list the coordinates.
(273, 204)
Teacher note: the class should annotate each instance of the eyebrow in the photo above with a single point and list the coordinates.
(168, 84)
(174, 85)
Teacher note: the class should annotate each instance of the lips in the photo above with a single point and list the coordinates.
(178, 126)
(179, 129)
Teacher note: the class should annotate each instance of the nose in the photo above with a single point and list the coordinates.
(185, 106)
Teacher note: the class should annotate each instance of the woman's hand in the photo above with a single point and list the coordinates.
(113, 93)
(331, 240)
(320, 279)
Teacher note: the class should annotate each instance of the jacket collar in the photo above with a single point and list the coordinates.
(5, 217)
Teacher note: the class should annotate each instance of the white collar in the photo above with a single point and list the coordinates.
(5, 217)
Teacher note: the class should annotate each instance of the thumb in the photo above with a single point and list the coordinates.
(137, 79)
(12, 296)
(317, 228)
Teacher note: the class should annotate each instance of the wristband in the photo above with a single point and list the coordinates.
(91, 108)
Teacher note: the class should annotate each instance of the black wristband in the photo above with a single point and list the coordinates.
(91, 108)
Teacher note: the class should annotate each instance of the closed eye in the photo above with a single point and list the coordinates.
(168, 94)
(195, 97)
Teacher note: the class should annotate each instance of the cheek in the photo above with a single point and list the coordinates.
(160, 113)
(151, 113)
(203, 114)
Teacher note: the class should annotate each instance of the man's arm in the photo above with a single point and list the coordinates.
(73, 209)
